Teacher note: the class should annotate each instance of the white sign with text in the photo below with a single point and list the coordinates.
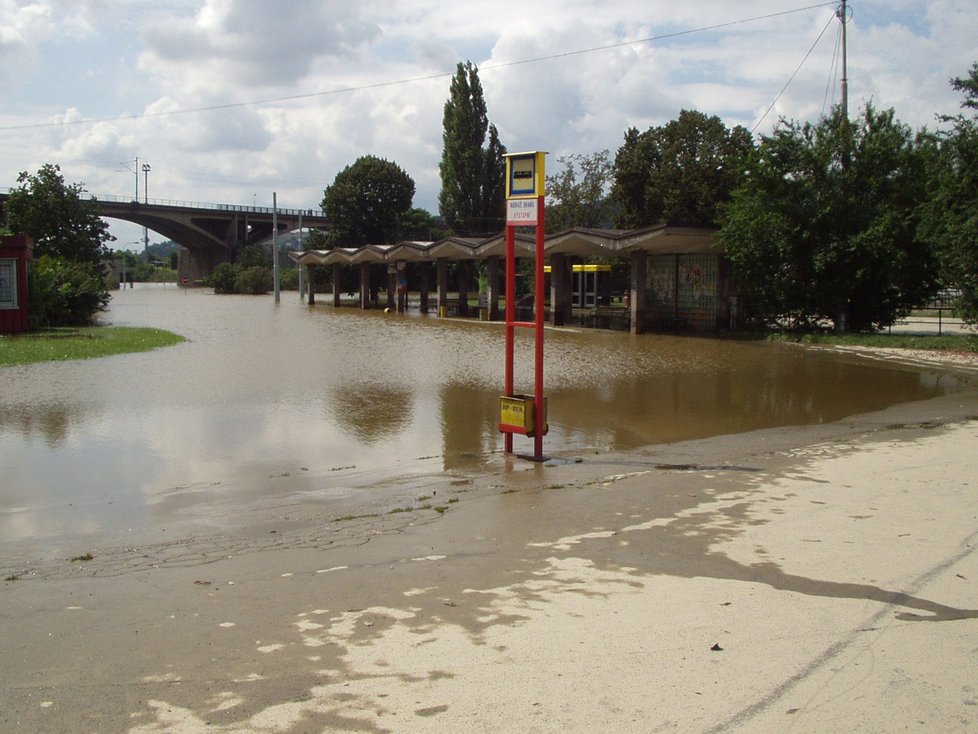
(522, 211)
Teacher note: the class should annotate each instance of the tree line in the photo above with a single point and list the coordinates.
(848, 223)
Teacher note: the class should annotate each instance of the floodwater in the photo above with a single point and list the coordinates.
(265, 400)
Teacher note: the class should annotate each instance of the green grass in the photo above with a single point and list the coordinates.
(950, 342)
(91, 342)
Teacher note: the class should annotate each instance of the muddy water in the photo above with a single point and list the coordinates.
(265, 400)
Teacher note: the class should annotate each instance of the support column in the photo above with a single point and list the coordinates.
(492, 273)
(637, 291)
(392, 286)
(364, 286)
(312, 275)
(441, 267)
(463, 287)
(423, 273)
(561, 310)
(337, 283)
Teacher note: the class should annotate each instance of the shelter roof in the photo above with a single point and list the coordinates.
(662, 239)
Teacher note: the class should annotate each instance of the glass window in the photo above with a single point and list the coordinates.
(8, 284)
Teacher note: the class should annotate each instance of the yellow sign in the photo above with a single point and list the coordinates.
(525, 174)
(516, 415)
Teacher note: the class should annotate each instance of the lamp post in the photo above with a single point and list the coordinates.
(146, 169)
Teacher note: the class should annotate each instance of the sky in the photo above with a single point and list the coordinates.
(230, 101)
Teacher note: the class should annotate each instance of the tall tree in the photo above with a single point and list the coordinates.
(823, 229)
(366, 202)
(57, 217)
(577, 195)
(949, 219)
(66, 284)
(472, 173)
(678, 172)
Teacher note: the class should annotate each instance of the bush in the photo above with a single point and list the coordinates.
(64, 293)
(289, 279)
(254, 281)
(222, 280)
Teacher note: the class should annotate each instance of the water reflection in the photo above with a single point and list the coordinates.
(370, 413)
(262, 391)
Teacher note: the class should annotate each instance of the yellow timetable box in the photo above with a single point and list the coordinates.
(517, 414)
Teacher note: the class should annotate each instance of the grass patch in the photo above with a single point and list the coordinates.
(89, 342)
(949, 342)
(82, 558)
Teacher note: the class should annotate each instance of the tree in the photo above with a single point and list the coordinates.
(578, 194)
(367, 201)
(949, 218)
(419, 224)
(824, 226)
(55, 215)
(472, 176)
(679, 172)
(65, 286)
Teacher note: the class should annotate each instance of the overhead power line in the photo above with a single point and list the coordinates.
(413, 80)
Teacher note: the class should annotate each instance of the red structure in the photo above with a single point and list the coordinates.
(15, 251)
(524, 207)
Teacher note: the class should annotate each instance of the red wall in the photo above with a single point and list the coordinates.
(14, 320)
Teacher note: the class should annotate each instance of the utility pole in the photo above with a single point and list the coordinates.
(841, 15)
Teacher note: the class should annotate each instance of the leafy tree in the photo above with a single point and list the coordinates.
(824, 227)
(419, 224)
(367, 202)
(578, 194)
(65, 286)
(56, 216)
(679, 172)
(949, 219)
(472, 176)
(254, 256)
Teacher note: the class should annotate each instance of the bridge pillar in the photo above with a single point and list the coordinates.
(193, 266)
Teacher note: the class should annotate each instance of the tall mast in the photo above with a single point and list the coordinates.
(841, 15)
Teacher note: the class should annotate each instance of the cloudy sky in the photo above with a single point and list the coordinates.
(231, 100)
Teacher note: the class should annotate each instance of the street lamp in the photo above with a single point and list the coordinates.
(146, 170)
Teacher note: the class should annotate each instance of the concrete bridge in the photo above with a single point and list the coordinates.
(211, 233)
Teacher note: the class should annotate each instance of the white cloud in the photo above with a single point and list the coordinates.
(172, 57)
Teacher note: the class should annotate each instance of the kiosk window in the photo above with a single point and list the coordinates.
(8, 284)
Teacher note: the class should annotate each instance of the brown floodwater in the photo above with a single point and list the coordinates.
(265, 400)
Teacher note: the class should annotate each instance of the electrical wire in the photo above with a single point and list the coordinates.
(792, 78)
(414, 80)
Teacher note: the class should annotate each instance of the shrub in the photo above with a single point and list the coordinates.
(65, 293)
(222, 280)
(254, 281)
(289, 279)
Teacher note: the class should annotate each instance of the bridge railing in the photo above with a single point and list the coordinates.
(200, 205)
